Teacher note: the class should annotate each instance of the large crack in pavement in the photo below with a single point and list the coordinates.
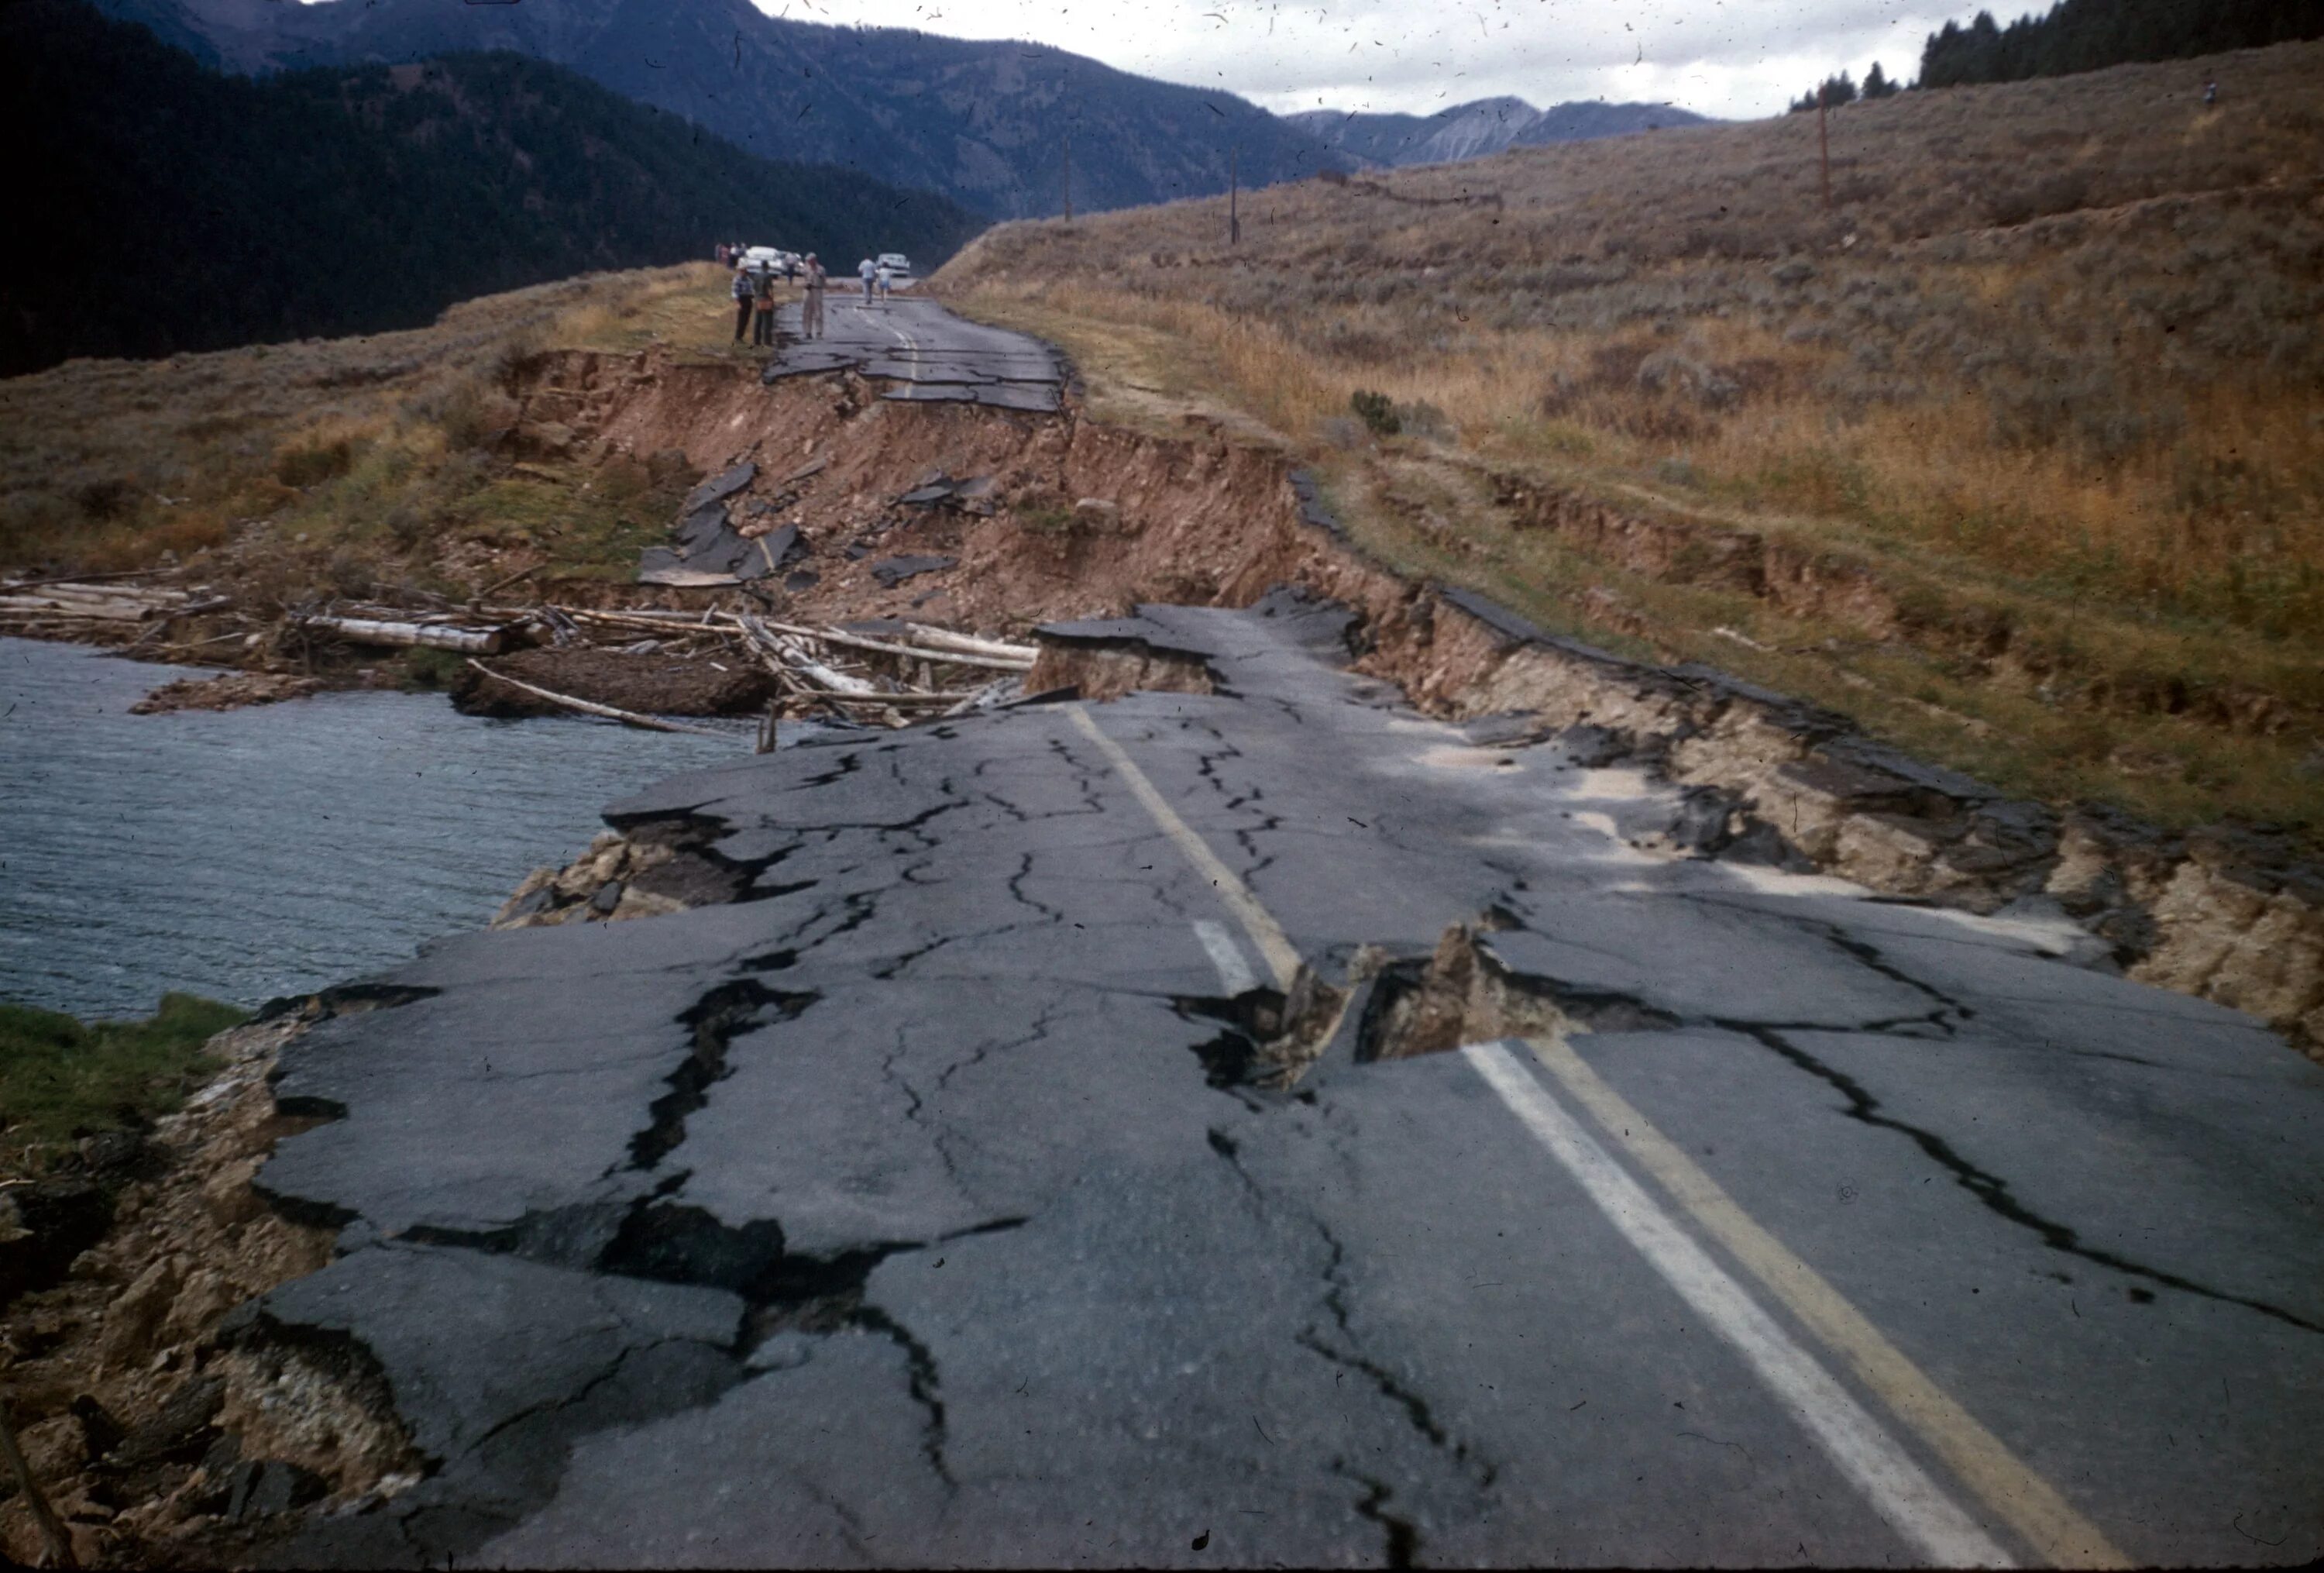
(955, 1186)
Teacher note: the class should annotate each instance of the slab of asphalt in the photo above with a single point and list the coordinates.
(923, 351)
(917, 1206)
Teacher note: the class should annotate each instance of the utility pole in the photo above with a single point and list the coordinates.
(1234, 184)
(1823, 139)
(1069, 177)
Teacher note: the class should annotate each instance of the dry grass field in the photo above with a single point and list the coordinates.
(2015, 452)
(329, 463)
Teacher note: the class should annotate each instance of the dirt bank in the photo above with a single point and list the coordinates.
(163, 1430)
(1064, 518)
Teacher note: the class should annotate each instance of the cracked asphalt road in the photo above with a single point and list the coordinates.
(910, 1208)
(927, 353)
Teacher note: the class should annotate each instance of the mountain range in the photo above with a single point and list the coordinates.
(1478, 128)
(994, 125)
(998, 127)
(181, 208)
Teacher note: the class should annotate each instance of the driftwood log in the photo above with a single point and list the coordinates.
(433, 636)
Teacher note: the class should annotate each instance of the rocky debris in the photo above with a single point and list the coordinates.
(656, 684)
(227, 692)
(715, 546)
(661, 869)
(1104, 660)
(929, 494)
(894, 570)
(137, 1400)
(978, 495)
(720, 488)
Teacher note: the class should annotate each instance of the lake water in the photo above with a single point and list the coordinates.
(270, 851)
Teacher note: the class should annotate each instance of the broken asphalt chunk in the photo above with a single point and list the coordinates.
(895, 570)
(720, 488)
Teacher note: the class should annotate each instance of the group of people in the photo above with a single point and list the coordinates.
(753, 290)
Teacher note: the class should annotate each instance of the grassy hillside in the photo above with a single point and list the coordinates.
(2015, 452)
(331, 467)
(179, 210)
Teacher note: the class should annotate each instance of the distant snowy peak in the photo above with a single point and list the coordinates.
(1479, 128)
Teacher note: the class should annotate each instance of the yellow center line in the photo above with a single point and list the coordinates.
(2010, 1487)
(1274, 944)
(2028, 1504)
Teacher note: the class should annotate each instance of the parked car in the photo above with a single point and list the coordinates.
(896, 263)
(762, 256)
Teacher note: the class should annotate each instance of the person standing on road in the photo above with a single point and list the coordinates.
(864, 270)
(762, 306)
(811, 312)
(744, 296)
(882, 276)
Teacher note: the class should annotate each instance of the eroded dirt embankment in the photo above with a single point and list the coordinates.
(1079, 520)
(162, 1427)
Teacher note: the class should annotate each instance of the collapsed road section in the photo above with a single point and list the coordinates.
(925, 353)
(1258, 1123)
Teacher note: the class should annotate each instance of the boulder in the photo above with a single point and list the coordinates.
(133, 1319)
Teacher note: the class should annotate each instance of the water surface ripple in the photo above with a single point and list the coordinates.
(270, 851)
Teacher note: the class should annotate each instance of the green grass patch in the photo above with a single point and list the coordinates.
(61, 1078)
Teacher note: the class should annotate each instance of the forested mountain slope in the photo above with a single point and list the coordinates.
(175, 208)
(986, 122)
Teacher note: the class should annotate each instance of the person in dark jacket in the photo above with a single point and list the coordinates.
(762, 306)
(744, 292)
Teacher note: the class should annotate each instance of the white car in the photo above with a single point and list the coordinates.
(896, 263)
(762, 256)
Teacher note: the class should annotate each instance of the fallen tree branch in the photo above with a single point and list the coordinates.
(969, 644)
(589, 707)
(365, 630)
(503, 584)
(878, 647)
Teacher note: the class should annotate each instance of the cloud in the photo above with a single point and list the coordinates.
(1727, 58)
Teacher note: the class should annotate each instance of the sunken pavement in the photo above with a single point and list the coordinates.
(1033, 1153)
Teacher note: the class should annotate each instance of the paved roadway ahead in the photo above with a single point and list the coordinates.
(914, 1208)
(928, 353)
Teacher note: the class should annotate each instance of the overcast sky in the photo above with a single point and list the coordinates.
(1735, 59)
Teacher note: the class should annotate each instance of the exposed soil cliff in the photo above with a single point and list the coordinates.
(1072, 519)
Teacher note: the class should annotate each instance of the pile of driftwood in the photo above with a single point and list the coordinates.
(892, 677)
(102, 605)
(888, 673)
(888, 677)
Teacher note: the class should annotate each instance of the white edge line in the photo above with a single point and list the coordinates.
(1235, 974)
(1899, 1490)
